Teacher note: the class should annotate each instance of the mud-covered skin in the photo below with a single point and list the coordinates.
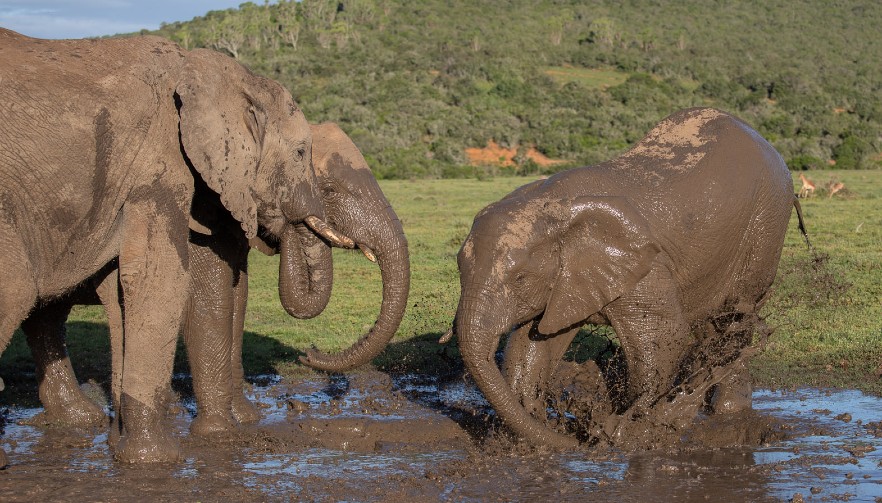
(673, 244)
(214, 319)
(356, 206)
(100, 145)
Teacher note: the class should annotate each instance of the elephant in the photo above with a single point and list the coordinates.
(354, 205)
(680, 233)
(111, 150)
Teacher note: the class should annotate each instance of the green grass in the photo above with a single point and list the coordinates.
(592, 78)
(824, 336)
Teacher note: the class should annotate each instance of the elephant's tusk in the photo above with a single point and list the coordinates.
(198, 227)
(368, 253)
(324, 230)
(446, 337)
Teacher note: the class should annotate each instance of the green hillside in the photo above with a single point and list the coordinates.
(416, 83)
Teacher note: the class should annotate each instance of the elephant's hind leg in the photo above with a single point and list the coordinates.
(243, 410)
(63, 400)
(208, 332)
(733, 393)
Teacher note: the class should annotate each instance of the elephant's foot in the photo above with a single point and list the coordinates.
(731, 399)
(243, 410)
(65, 403)
(145, 438)
(79, 412)
(209, 423)
(734, 393)
(115, 432)
(148, 447)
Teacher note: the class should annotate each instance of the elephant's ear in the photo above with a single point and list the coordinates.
(221, 130)
(605, 249)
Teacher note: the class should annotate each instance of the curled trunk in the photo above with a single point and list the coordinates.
(478, 345)
(392, 257)
(306, 272)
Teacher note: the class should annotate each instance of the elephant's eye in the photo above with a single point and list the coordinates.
(298, 154)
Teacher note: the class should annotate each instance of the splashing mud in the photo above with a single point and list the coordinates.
(371, 437)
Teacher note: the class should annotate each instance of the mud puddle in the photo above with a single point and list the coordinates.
(369, 437)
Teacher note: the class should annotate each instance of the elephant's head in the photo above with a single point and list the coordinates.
(252, 145)
(553, 262)
(355, 206)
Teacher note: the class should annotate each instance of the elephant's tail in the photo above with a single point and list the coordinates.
(802, 228)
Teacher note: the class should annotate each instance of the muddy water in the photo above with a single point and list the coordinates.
(370, 437)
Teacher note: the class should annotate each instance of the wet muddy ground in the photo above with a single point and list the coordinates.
(371, 437)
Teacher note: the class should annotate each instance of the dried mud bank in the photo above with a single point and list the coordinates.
(370, 437)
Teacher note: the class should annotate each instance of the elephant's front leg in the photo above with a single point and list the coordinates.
(208, 332)
(62, 399)
(155, 285)
(649, 324)
(529, 362)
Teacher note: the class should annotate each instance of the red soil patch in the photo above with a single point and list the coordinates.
(495, 155)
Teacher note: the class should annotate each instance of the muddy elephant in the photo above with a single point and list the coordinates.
(213, 323)
(681, 233)
(105, 146)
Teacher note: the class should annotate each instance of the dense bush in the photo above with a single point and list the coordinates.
(416, 83)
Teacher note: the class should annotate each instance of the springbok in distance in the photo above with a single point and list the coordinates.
(808, 187)
(834, 187)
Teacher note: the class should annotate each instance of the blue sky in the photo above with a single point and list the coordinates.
(90, 18)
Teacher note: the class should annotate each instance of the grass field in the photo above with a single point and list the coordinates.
(827, 313)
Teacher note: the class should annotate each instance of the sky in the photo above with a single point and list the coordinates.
(92, 18)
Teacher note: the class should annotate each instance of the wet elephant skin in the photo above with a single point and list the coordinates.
(214, 319)
(103, 145)
(681, 233)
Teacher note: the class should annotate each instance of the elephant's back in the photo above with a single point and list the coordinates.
(80, 65)
(83, 118)
(723, 196)
(700, 146)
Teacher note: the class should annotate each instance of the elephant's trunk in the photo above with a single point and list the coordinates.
(306, 272)
(392, 257)
(478, 343)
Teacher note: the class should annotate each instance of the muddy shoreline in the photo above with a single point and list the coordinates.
(371, 437)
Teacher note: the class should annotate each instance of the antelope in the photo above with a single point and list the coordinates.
(808, 186)
(833, 188)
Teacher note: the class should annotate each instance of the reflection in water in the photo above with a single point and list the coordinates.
(830, 453)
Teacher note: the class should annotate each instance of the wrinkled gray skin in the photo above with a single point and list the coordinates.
(105, 146)
(213, 326)
(684, 228)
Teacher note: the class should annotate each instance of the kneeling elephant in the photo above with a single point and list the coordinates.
(683, 230)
